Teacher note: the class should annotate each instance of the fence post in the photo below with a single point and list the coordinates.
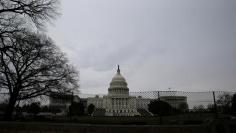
(215, 105)
(72, 97)
(158, 94)
(72, 100)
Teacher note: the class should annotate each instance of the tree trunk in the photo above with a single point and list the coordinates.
(10, 108)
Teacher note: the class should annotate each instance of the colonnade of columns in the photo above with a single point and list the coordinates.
(120, 102)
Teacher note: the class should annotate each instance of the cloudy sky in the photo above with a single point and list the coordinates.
(185, 45)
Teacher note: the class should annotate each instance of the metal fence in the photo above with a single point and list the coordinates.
(211, 101)
(138, 103)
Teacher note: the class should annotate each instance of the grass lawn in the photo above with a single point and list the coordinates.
(189, 119)
(139, 120)
(118, 120)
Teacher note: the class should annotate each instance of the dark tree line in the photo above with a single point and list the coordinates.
(91, 109)
(76, 109)
(162, 108)
(35, 108)
(158, 107)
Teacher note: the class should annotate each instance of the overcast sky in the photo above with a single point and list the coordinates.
(185, 45)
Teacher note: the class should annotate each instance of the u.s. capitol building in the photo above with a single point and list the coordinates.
(118, 102)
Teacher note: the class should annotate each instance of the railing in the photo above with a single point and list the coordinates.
(204, 100)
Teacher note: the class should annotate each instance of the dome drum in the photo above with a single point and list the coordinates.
(118, 91)
(118, 85)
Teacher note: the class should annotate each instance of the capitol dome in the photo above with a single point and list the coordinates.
(118, 84)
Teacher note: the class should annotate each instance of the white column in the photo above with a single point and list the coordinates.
(114, 103)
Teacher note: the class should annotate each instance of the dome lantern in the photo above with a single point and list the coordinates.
(118, 70)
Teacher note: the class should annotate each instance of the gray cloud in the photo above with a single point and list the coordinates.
(184, 44)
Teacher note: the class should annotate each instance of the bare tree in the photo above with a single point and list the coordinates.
(224, 102)
(36, 11)
(32, 67)
(16, 15)
(91, 109)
